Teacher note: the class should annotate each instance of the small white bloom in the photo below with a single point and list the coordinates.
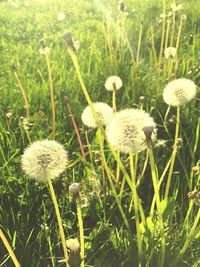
(163, 15)
(178, 92)
(61, 16)
(103, 111)
(44, 160)
(176, 8)
(73, 244)
(113, 83)
(170, 52)
(125, 133)
(45, 50)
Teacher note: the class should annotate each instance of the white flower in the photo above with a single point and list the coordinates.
(170, 52)
(61, 16)
(113, 83)
(73, 244)
(176, 8)
(178, 92)
(103, 111)
(163, 15)
(125, 133)
(45, 50)
(44, 160)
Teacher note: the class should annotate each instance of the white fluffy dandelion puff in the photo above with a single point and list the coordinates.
(113, 83)
(125, 133)
(104, 112)
(44, 160)
(170, 52)
(178, 92)
(61, 16)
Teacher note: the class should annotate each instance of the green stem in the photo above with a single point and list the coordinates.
(108, 171)
(52, 97)
(173, 157)
(81, 230)
(60, 226)
(158, 205)
(9, 249)
(23, 93)
(114, 100)
(190, 237)
(135, 202)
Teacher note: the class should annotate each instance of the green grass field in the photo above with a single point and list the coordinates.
(134, 207)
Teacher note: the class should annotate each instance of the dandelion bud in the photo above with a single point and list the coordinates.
(196, 169)
(75, 188)
(121, 6)
(69, 40)
(195, 196)
(141, 104)
(9, 115)
(148, 130)
(15, 66)
(74, 255)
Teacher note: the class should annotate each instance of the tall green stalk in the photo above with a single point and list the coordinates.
(60, 226)
(81, 230)
(195, 230)
(135, 202)
(173, 157)
(9, 249)
(158, 205)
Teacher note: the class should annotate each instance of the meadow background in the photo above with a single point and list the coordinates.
(26, 212)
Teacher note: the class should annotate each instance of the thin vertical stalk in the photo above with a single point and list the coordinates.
(114, 100)
(192, 234)
(108, 172)
(163, 34)
(81, 230)
(173, 25)
(9, 249)
(135, 202)
(75, 126)
(139, 43)
(173, 157)
(52, 97)
(60, 226)
(153, 45)
(23, 93)
(158, 205)
(89, 149)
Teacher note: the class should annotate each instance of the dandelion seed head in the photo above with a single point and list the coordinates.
(61, 16)
(44, 160)
(75, 188)
(113, 83)
(178, 92)
(73, 244)
(125, 133)
(104, 112)
(170, 52)
(45, 50)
